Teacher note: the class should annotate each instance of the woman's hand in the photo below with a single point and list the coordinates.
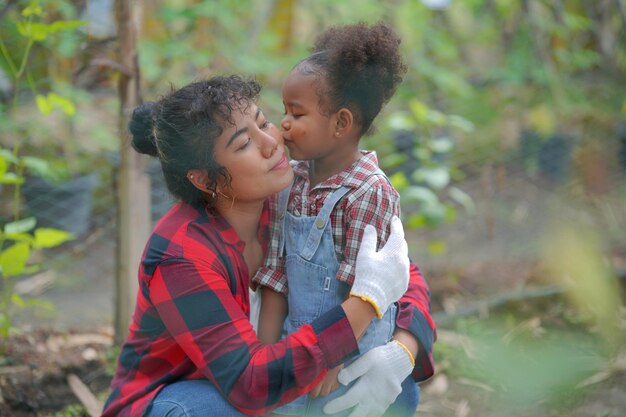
(382, 277)
(380, 373)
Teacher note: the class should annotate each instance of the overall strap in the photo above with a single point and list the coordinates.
(283, 199)
(321, 220)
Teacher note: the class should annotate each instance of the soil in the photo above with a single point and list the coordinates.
(36, 365)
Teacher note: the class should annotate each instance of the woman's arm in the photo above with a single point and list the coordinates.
(414, 317)
(209, 325)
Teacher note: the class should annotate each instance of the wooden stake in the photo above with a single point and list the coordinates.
(133, 184)
(84, 395)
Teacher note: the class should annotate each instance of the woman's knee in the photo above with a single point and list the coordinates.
(195, 398)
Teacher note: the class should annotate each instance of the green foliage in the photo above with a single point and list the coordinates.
(32, 35)
(33, 30)
(419, 142)
(525, 363)
(19, 239)
(30, 30)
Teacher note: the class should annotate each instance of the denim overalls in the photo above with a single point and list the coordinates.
(311, 266)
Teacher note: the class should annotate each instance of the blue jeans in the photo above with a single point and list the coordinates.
(195, 398)
(199, 398)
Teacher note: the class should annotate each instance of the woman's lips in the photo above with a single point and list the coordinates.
(282, 163)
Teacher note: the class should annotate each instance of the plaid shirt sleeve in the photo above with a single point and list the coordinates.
(375, 203)
(414, 316)
(206, 321)
(272, 273)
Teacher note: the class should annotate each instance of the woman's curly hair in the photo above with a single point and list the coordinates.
(182, 127)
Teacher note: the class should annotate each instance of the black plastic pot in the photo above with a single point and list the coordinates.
(66, 205)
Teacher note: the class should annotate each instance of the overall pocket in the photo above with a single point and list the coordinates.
(308, 285)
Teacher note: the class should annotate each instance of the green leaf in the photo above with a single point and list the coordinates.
(17, 300)
(34, 31)
(47, 104)
(436, 118)
(419, 110)
(13, 259)
(32, 10)
(8, 156)
(399, 181)
(38, 166)
(416, 221)
(417, 194)
(11, 178)
(401, 121)
(3, 166)
(44, 106)
(437, 247)
(66, 25)
(49, 238)
(441, 145)
(437, 178)
(59, 102)
(20, 226)
(460, 123)
(463, 199)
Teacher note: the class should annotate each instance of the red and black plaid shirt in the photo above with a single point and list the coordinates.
(191, 322)
(371, 200)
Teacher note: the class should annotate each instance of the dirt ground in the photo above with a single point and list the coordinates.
(495, 252)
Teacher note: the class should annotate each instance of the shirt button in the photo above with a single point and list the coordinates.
(320, 223)
(313, 206)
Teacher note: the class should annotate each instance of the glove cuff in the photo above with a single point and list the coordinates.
(369, 299)
(408, 352)
(401, 358)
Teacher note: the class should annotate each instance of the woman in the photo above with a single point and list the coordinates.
(191, 349)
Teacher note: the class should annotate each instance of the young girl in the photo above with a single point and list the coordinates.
(331, 99)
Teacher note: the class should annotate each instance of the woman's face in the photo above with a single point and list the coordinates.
(253, 152)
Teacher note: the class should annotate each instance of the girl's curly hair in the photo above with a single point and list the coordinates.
(361, 66)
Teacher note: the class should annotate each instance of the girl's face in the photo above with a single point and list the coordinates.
(253, 152)
(307, 132)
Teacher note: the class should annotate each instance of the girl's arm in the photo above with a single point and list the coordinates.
(272, 315)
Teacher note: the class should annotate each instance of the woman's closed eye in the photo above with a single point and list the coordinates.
(244, 144)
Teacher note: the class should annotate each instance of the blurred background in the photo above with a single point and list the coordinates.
(506, 140)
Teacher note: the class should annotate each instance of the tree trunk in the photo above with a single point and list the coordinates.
(133, 184)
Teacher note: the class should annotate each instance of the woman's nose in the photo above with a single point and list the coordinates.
(270, 142)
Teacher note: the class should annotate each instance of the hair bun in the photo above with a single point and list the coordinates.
(141, 126)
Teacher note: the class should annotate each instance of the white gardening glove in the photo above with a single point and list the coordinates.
(382, 277)
(381, 372)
